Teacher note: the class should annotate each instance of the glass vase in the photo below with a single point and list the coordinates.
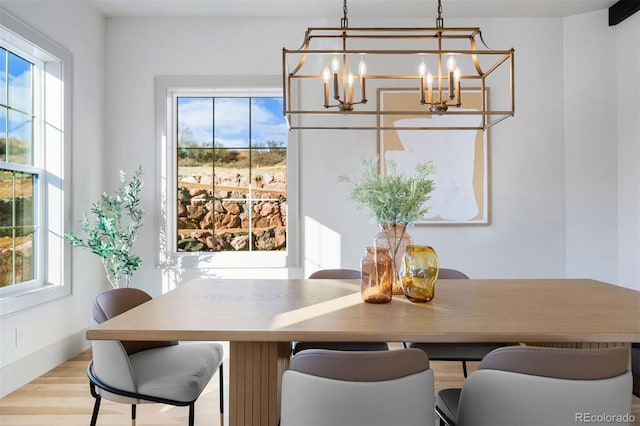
(419, 273)
(395, 238)
(375, 284)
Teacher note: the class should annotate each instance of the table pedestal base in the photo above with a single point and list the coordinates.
(255, 379)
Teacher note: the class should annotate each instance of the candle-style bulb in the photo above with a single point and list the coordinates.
(335, 65)
(457, 74)
(429, 79)
(350, 86)
(326, 74)
(422, 69)
(451, 64)
(362, 68)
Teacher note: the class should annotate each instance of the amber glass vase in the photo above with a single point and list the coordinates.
(395, 238)
(419, 273)
(375, 285)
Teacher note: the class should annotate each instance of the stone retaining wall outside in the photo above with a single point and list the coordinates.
(221, 219)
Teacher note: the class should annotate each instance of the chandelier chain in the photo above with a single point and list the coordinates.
(439, 19)
(344, 22)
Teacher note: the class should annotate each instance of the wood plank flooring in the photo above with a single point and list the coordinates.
(61, 397)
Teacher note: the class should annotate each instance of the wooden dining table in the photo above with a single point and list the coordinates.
(261, 317)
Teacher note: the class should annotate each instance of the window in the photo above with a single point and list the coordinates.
(18, 176)
(226, 156)
(34, 111)
(232, 174)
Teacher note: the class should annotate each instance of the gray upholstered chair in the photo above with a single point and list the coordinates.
(461, 352)
(346, 274)
(369, 388)
(526, 385)
(141, 372)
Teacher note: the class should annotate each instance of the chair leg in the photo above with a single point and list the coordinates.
(444, 421)
(133, 414)
(464, 369)
(191, 413)
(96, 408)
(221, 396)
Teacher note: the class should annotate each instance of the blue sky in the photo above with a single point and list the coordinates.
(227, 119)
(18, 95)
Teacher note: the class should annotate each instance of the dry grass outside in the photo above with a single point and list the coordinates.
(23, 187)
(7, 242)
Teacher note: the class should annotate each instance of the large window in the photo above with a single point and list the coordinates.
(34, 112)
(226, 168)
(232, 174)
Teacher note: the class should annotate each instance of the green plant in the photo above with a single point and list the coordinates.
(392, 198)
(111, 235)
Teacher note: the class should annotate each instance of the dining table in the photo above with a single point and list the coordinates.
(261, 317)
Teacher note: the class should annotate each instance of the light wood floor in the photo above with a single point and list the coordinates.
(61, 397)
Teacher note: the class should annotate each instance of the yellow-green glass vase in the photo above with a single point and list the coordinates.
(419, 273)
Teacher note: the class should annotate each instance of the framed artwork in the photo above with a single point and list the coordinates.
(461, 194)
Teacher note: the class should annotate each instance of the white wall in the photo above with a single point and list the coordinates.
(55, 331)
(601, 140)
(628, 94)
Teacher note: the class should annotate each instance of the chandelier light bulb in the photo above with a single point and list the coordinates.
(350, 84)
(362, 68)
(326, 74)
(451, 64)
(422, 69)
(335, 65)
(458, 95)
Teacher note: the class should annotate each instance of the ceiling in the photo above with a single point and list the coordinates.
(357, 8)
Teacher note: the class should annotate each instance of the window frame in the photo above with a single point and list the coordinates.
(168, 89)
(52, 94)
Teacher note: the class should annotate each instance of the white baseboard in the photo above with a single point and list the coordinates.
(32, 366)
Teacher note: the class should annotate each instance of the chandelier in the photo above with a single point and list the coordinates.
(389, 78)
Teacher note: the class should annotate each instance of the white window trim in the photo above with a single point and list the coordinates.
(54, 264)
(167, 88)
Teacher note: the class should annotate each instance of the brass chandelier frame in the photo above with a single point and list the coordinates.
(438, 93)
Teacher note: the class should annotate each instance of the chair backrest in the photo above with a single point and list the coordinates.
(451, 274)
(354, 388)
(111, 303)
(111, 357)
(347, 274)
(524, 385)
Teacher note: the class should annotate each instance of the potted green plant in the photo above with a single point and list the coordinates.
(395, 201)
(118, 218)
